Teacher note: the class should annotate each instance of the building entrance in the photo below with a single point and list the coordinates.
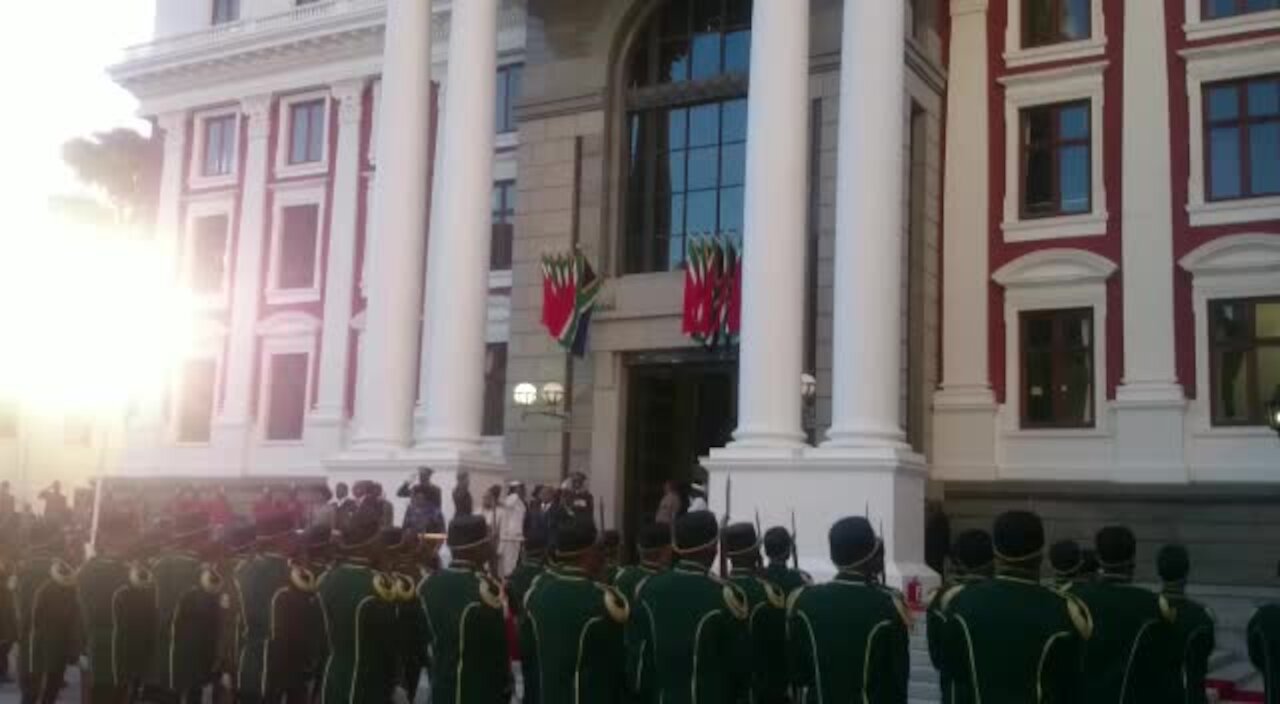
(679, 407)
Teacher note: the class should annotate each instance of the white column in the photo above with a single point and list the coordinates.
(869, 228)
(964, 424)
(456, 303)
(340, 274)
(1149, 402)
(776, 200)
(390, 348)
(246, 284)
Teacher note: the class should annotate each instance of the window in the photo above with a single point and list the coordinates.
(77, 431)
(509, 78)
(1056, 166)
(287, 396)
(1046, 22)
(1242, 138)
(306, 132)
(504, 216)
(219, 142)
(209, 254)
(1057, 368)
(1217, 9)
(1244, 339)
(299, 238)
(226, 11)
(495, 388)
(195, 412)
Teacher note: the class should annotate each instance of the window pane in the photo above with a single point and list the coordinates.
(677, 126)
(1077, 332)
(1037, 126)
(1074, 179)
(707, 16)
(1073, 122)
(1037, 191)
(1075, 19)
(731, 211)
(1224, 162)
(1260, 5)
(1224, 103)
(703, 167)
(1266, 318)
(738, 13)
(1038, 372)
(495, 384)
(1220, 8)
(208, 254)
(1229, 322)
(673, 61)
(1264, 98)
(287, 397)
(675, 18)
(1264, 159)
(737, 52)
(1039, 332)
(1268, 376)
(706, 56)
(733, 164)
(1076, 389)
(298, 246)
(734, 121)
(675, 223)
(1232, 386)
(1037, 22)
(700, 212)
(315, 132)
(704, 125)
(196, 412)
(675, 171)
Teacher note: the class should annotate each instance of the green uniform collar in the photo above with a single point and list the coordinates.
(691, 567)
(852, 577)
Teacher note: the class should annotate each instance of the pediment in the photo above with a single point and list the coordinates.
(1237, 254)
(1055, 267)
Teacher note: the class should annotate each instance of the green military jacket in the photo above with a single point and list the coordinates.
(519, 581)
(1264, 648)
(187, 609)
(1192, 643)
(785, 578)
(571, 640)
(767, 628)
(466, 636)
(411, 625)
(117, 600)
(848, 642)
(1009, 640)
(230, 624)
(630, 577)
(278, 600)
(936, 628)
(48, 616)
(690, 633)
(359, 605)
(1131, 645)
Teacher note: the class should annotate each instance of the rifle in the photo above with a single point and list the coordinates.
(795, 552)
(724, 523)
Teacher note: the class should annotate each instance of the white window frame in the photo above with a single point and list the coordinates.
(285, 133)
(1029, 90)
(1198, 28)
(177, 384)
(291, 332)
(195, 176)
(198, 208)
(288, 195)
(1016, 56)
(1211, 64)
(1052, 279)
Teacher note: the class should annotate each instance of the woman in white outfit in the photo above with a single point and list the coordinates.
(511, 528)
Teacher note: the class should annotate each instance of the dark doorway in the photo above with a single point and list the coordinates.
(679, 407)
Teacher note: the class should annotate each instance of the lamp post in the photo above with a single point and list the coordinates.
(1273, 411)
(527, 396)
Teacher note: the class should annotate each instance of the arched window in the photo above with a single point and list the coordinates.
(686, 129)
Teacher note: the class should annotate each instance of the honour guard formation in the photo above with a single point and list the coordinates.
(710, 613)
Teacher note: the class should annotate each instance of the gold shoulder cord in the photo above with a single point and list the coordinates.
(302, 579)
(1080, 616)
(384, 586)
(775, 596)
(616, 604)
(1167, 610)
(734, 599)
(62, 574)
(491, 593)
(140, 577)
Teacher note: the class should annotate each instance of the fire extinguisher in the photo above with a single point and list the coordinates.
(914, 597)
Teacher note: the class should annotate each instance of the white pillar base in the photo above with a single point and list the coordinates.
(1150, 445)
(964, 434)
(823, 485)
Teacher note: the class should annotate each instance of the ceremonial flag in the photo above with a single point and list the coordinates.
(712, 290)
(569, 291)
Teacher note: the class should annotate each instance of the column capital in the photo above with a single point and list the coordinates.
(350, 97)
(968, 7)
(258, 109)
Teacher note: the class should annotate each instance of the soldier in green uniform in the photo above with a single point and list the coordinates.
(1067, 561)
(848, 638)
(1263, 634)
(689, 626)
(532, 564)
(1192, 630)
(188, 591)
(277, 596)
(1010, 640)
(45, 597)
(317, 555)
(467, 636)
(400, 561)
(654, 546)
(8, 616)
(572, 630)
(610, 543)
(114, 595)
(236, 544)
(766, 620)
(971, 560)
(359, 612)
(778, 545)
(1131, 643)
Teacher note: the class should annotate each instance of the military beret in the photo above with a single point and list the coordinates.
(535, 538)
(777, 542)
(574, 536)
(190, 524)
(853, 542)
(740, 539)
(1066, 557)
(239, 538)
(467, 532)
(972, 550)
(1116, 546)
(363, 528)
(655, 536)
(1018, 535)
(1173, 563)
(696, 531)
(273, 525)
(610, 539)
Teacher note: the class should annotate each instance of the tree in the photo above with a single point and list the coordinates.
(125, 166)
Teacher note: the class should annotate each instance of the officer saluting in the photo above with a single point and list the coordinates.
(1192, 630)
(778, 545)
(654, 546)
(467, 634)
(690, 626)
(1130, 647)
(1010, 640)
(766, 621)
(187, 604)
(853, 621)
(1264, 647)
(113, 595)
(46, 601)
(571, 633)
(971, 561)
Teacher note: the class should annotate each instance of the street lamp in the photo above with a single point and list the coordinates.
(1273, 411)
(527, 397)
